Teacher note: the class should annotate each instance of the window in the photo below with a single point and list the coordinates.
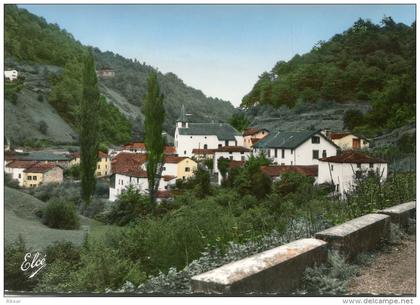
(20, 175)
(315, 154)
(205, 137)
(269, 153)
(220, 145)
(191, 137)
(358, 174)
(332, 167)
(226, 143)
(99, 174)
(185, 152)
(337, 187)
(370, 165)
(282, 153)
(164, 168)
(291, 151)
(34, 178)
(205, 146)
(291, 162)
(230, 157)
(243, 158)
(324, 153)
(29, 177)
(359, 165)
(187, 169)
(315, 140)
(99, 166)
(275, 153)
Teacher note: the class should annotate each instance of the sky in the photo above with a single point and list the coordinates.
(219, 49)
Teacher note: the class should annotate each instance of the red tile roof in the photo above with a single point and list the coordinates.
(233, 149)
(338, 135)
(169, 150)
(253, 130)
(101, 154)
(277, 170)
(351, 156)
(234, 164)
(41, 167)
(168, 177)
(21, 164)
(124, 162)
(135, 145)
(163, 194)
(202, 151)
(173, 159)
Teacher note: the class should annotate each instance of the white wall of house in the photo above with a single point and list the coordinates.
(302, 155)
(170, 169)
(235, 156)
(343, 175)
(123, 181)
(16, 173)
(346, 142)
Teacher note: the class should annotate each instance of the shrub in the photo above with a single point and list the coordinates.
(66, 191)
(60, 214)
(43, 127)
(10, 182)
(129, 206)
(73, 172)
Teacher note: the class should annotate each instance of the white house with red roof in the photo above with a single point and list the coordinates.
(347, 140)
(344, 169)
(16, 169)
(233, 153)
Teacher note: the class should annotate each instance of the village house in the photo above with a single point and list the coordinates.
(140, 148)
(252, 135)
(11, 75)
(103, 166)
(233, 153)
(180, 167)
(296, 147)
(58, 158)
(189, 136)
(105, 72)
(42, 173)
(16, 169)
(347, 140)
(343, 170)
(130, 169)
(201, 154)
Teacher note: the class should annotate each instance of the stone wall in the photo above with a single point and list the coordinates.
(280, 270)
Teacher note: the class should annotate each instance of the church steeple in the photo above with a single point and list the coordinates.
(182, 120)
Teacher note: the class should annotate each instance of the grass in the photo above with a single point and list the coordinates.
(20, 219)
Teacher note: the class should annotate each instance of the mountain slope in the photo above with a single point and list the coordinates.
(368, 62)
(29, 39)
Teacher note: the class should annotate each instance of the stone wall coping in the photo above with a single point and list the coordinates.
(237, 270)
(353, 225)
(401, 208)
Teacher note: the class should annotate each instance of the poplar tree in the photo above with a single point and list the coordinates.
(89, 126)
(154, 113)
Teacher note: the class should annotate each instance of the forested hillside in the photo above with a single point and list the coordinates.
(30, 40)
(369, 62)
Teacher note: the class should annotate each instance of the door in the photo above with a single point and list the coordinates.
(356, 143)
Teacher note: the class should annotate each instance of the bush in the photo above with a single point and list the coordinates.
(73, 172)
(60, 214)
(129, 206)
(66, 191)
(43, 127)
(10, 182)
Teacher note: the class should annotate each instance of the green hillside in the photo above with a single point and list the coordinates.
(368, 63)
(30, 40)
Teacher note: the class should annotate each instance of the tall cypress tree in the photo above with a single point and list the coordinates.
(154, 113)
(89, 126)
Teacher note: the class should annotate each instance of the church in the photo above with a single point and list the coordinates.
(189, 136)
